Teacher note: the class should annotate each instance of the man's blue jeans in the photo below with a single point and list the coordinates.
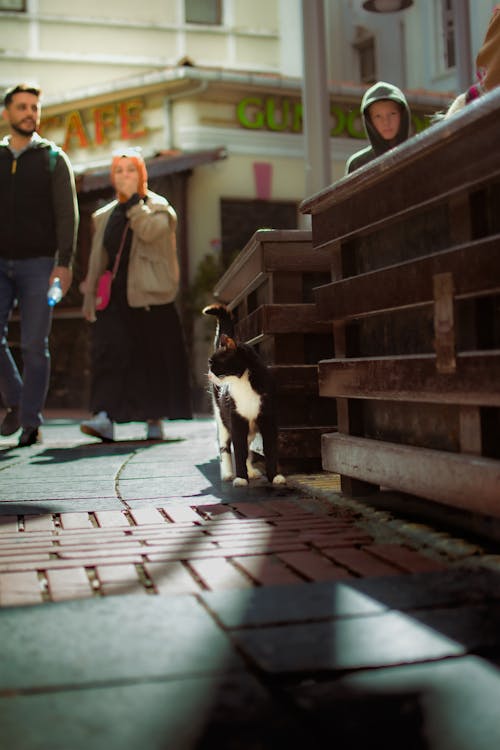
(27, 281)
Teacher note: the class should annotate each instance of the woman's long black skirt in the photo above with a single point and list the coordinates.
(139, 362)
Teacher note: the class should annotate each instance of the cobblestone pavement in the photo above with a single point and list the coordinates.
(145, 605)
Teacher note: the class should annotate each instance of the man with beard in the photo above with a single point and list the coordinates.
(38, 228)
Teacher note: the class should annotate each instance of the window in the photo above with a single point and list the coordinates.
(366, 52)
(19, 5)
(364, 44)
(204, 11)
(448, 27)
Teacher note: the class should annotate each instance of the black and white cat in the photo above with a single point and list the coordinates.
(244, 404)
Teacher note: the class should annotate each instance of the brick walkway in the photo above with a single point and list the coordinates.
(183, 549)
(173, 612)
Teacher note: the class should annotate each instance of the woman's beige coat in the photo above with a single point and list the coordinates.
(153, 268)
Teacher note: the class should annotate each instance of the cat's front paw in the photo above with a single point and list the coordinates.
(279, 479)
(226, 476)
(240, 482)
(253, 473)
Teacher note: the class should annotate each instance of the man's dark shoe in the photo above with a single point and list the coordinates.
(11, 422)
(29, 436)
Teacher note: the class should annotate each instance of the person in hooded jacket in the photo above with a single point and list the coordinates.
(386, 117)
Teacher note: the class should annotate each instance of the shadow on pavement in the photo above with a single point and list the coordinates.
(257, 489)
(85, 450)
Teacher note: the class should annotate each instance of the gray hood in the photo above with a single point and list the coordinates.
(378, 92)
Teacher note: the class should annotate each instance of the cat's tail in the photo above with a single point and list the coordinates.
(225, 323)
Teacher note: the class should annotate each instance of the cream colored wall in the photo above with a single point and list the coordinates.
(258, 14)
(62, 45)
(266, 51)
(95, 39)
(14, 34)
(157, 11)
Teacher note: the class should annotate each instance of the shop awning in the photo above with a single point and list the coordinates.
(163, 163)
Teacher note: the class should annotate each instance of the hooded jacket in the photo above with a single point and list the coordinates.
(379, 92)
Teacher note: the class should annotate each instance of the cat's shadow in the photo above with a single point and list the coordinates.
(257, 489)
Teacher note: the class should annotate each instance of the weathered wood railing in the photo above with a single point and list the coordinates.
(269, 289)
(414, 301)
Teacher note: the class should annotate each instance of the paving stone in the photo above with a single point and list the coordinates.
(275, 604)
(161, 488)
(435, 589)
(476, 626)
(19, 588)
(407, 559)
(180, 511)
(254, 510)
(360, 562)
(96, 501)
(68, 584)
(75, 521)
(314, 566)
(268, 570)
(446, 705)
(8, 524)
(172, 578)
(122, 578)
(39, 523)
(143, 516)
(219, 573)
(97, 641)
(202, 712)
(111, 518)
(350, 643)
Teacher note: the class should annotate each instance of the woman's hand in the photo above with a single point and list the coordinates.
(126, 178)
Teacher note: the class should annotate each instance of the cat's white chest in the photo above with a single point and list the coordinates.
(246, 400)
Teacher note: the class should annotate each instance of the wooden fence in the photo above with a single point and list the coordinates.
(269, 289)
(414, 303)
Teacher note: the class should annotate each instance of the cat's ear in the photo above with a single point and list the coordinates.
(227, 341)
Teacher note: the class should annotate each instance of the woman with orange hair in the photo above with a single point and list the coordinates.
(139, 361)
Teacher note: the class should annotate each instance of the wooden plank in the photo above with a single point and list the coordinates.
(444, 323)
(241, 291)
(460, 480)
(241, 273)
(471, 439)
(296, 379)
(414, 378)
(301, 442)
(295, 256)
(261, 253)
(475, 268)
(273, 319)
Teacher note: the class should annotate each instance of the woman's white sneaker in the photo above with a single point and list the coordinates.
(100, 426)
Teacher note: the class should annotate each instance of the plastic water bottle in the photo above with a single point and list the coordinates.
(54, 295)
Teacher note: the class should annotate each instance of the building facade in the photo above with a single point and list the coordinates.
(211, 92)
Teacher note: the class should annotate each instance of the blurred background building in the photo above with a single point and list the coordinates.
(212, 92)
